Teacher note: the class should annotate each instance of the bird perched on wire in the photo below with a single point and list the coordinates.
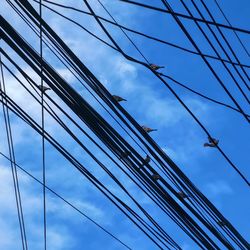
(43, 88)
(147, 129)
(156, 177)
(155, 67)
(212, 142)
(222, 223)
(182, 195)
(124, 154)
(118, 98)
(146, 160)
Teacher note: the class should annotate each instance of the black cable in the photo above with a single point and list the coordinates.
(69, 203)
(221, 46)
(187, 17)
(224, 15)
(43, 140)
(175, 81)
(190, 112)
(17, 192)
(135, 32)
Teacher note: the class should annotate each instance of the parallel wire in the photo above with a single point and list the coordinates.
(175, 81)
(135, 32)
(187, 17)
(179, 99)
(224, 15)
(68, 203)
(17, 192)
(43, 140)
(221, 45)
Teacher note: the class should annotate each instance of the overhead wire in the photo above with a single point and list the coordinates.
(187, 16)
(175, 81)
(18, 198)
(134, 31)
(221, 46)
(69, 203)
(43, 123)
(224, 15)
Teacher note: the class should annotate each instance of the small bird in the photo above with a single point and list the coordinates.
(124, 154)
(156, 177)
(155, 67)
(118, 98)
(43, 88)
(146, 160)
(147, 129)
(212, 142)
(222, 223)
(182, 195)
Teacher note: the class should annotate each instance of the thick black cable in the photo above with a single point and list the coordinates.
(43, 140)
(187, 17)
(80, 167)
(135, 32)
(68, 203)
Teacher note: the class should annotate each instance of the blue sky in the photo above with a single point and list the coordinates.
(150, 103)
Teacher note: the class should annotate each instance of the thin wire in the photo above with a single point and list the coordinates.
(43, 140)
(17, 192)
(175, 94)
(187, 17)
(224, 15)
(135, 32)
(68, 203)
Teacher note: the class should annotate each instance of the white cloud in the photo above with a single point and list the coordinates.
(219, 188)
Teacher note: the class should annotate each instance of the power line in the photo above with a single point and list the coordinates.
(133, 31)
(77, 104)
(17, 192)
(187, 17)
(224, 15)
(169, 77)
(43, 140)
(68, 203)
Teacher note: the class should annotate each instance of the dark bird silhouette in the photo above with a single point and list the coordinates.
(118, 98)
(148, 130)
(212, 143)
(155, 67)
(156, 177)
(222, 223)
(43, 88)
(146, 160)
(182, 195)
